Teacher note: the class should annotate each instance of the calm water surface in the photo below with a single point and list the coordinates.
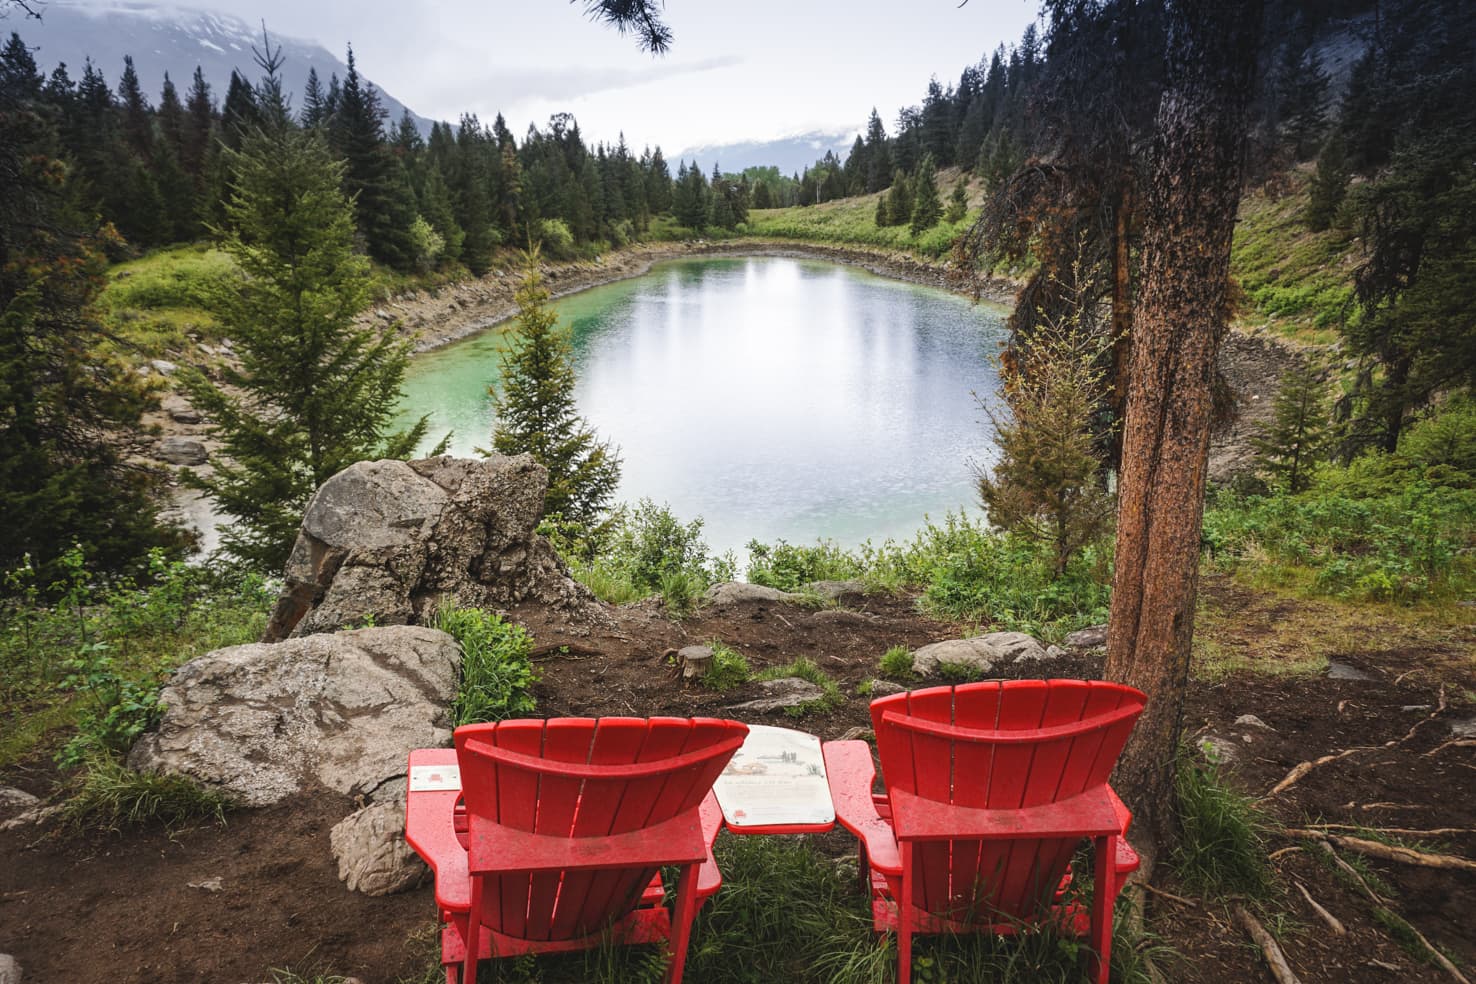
(775, 398)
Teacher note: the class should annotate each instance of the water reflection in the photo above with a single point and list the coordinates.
(773, 397)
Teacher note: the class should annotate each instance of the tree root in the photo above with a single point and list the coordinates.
(1275, 959)
(1387, 852)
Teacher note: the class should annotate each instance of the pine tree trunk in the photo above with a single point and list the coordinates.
(1189, 212)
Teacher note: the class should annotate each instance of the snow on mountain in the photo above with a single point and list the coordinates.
(164, 37)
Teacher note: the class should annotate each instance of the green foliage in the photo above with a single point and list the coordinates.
(789, 567)
(806, 669)
(314, 393)
(151, 302)
(554, 237)
(853, 222)
(536, 413)
(728, 669)
(96, 657)
(1296, 437)
(1221, 850)
(497, 673)
(108, 795)
(958, 202)
(896, 663)
(926, 207)
(1045, 485)
(639, 551)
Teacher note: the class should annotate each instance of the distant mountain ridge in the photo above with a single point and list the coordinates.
(790, 154)
(167, 37)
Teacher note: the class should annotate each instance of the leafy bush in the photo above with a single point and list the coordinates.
(557, 240)
(497, 672)
(789, 567)
(641, 551)
(728, 669)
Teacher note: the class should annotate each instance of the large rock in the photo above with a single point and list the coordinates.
(182, 451)
(388, 539)
(369, 846)
(1088, 638)
(979, 655)
(261, 722)
(740, 592)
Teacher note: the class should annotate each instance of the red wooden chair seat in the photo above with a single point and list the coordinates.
(990, 788)
(556, 838)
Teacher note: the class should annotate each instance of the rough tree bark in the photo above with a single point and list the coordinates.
(1182, 311)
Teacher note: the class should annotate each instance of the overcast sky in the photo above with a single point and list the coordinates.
(753, 70)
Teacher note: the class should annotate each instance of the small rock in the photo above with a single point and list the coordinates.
(1464, 729)
(786, 692)
(836, 590)
(843, 617)
(372, 855)
(10, 969)
(885, 688)
(1412, 708)
(164, 367)
(1049, 653)
(16, 801)
(738, 592)
(852, 734)
(1088, 638)
(182, 451)
(383, 315)
(1251, 721)
(35, 815)
(694, 661)
(208, 885)
(184, 414)
(1218, 751)
(1345, 671)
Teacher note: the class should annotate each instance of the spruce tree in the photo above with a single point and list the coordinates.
(536, 413)
(883, 218)
(199, 127)
(878, 156)
(899, 199)
(926, 207)
(314, 392)
(658, 184)
(373, 177)
(958, 202)
(1296, 436)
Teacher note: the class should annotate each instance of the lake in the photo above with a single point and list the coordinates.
(773, 397)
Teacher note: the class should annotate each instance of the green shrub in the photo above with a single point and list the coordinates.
(109, 795)
(1221, 848)
(896, 663)
(557, 240)
(728, 669)
(497, 673)
(789, 567)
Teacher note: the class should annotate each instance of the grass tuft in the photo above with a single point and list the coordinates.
(1221, 849)
(109, 796)
(497, 672)
(728, 669)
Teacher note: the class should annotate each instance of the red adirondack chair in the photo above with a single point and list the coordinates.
(990, 788)
(559, 830)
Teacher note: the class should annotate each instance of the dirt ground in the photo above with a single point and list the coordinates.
(142, 905)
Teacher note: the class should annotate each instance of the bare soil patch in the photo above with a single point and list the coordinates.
(120, 907)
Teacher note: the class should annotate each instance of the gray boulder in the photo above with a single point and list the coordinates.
(740, 592)
(783, 693)
(1088, 638)
(885, 688)
(836, 590)
(261, 722)
(389, 539)
(1345, 671)
(369, 846)
(182, 451)
(980, 655)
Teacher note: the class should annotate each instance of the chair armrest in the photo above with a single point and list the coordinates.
(1127, 859)
(430, 829)
(850, 772)
(709, 877)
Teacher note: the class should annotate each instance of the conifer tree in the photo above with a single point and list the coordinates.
(899, 199)
(883, 218)
(878, 157)
(138, 130)
(926, 208)
(536, 413)
(199, 126)
(314, 392)
(314, 101)
(958, 202)
(658, 184)
(1329, 184)
(1296, 436)
(373, 178)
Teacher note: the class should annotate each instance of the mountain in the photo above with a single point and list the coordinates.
(163, 37)
(789, 154)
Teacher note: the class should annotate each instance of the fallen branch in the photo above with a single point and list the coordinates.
(1285, 850)
(1453, 743)
(1269, 948)
(1387, 852)
(1439, 710)
(1352, 873)
(1327, 917)
(1299, 772)
(1391, 806)
(1168, 895)
(1396, 831)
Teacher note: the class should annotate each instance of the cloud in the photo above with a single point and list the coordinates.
(562, 84)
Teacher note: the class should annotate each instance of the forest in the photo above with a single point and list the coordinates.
(1317, 195)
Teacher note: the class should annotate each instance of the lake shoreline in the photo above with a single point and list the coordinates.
(440, 317)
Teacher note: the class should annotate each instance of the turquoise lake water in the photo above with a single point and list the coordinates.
(773, 397)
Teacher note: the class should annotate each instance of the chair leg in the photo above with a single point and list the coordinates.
(681, 923)
(1104, 896)
(904, 917)
(473, 936)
